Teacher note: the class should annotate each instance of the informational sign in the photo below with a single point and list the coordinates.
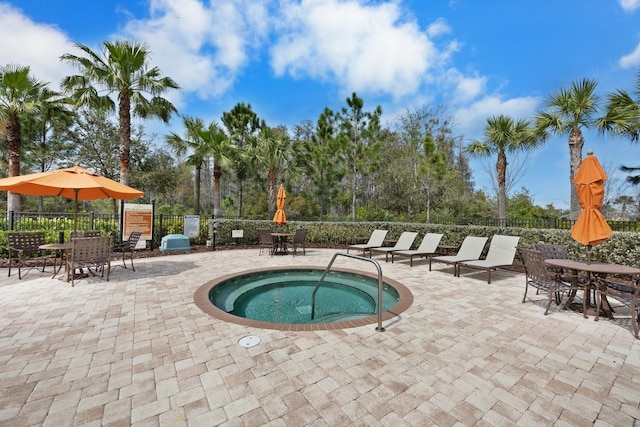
(192, 225)
(237, 234)
(138, 217)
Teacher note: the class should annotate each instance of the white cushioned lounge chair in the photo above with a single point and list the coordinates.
(375, 241)
(502, 252)
(427, 247)
(471, 248)
(405, 241)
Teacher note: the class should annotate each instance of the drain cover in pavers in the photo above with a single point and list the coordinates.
(249, 341)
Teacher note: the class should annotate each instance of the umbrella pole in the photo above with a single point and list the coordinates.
(588, 254)
(75, 214)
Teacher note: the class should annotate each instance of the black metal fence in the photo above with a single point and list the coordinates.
(108, 224)
(174, 224)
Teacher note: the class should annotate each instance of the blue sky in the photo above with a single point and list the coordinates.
(291, 58)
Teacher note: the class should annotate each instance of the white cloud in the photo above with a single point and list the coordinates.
(472, 118)
(440, 26)
(373, 48)
(463, 88)
(629, 5)
(632, 59)
(202, 48)
(361, 46)
(39, 46)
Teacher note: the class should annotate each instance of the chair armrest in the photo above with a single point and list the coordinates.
(19, 251)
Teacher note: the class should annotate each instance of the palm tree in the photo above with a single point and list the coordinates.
(195, 143)
(121, 69)
(622, 115)
(20, 94)
(622, 118)
(273, 153)
(221, 149)
(570, 110)
(503, 135)
(203, 142)
(53, 119)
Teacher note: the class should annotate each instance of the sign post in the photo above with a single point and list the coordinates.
(192, 226)
(138, 217)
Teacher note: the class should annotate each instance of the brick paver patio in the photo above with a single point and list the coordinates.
(137, 351)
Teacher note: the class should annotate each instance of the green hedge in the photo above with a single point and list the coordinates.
(621, 248)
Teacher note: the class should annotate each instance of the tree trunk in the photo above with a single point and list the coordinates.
(13, 151)
(196, 209)
(217, 174)
(125, 136)
(501, 173)
(354, 188)
(240, 199)
(271, 192)
(576, 141)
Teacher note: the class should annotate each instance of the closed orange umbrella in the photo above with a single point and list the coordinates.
(280, 218)
(73, 183)
(591, 228)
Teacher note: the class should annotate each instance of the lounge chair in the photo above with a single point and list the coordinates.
(502, 252)
(375, 241)
(427, 247)
(471, 248)
(404, 243)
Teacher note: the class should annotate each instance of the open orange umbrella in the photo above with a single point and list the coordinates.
(280, 218)
(73, 183)
(591, 228)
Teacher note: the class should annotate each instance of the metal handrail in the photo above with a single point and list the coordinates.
(379, 328)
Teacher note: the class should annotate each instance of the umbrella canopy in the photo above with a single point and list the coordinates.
(73, 183)
(591, 227)
(280, 218)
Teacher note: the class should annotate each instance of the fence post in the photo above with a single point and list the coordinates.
(91, 218)
(10, 218)
(153, 223)
(160, 230)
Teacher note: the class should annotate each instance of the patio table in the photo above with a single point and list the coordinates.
(60, 251)
(280, 241)
(601, 269)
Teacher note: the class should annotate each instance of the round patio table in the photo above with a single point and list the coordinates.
(600, 268)
(280, 240)
(60, 251)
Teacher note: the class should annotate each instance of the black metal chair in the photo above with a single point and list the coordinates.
(25, 246)
(88, 252)
(299, 241)
(128, 247)
(266, 240)
(627, 292)
(85, 233)
(538, 275)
